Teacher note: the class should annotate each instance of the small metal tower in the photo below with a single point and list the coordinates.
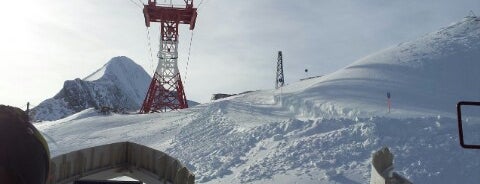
(166, 89)
(280, 81)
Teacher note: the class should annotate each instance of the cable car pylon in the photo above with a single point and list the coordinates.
(279, 79)
(166, 92)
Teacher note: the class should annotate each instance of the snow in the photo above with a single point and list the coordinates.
(321, 130)
(414, 72)
(97, 74)
(53, 108)
(119, 69)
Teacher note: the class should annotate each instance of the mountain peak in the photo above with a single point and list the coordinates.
(116, 66)
(119, 84)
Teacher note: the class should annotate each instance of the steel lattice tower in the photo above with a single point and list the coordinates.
(166, 92)
(280, 81)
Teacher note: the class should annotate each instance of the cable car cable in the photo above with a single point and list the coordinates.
(188, 58)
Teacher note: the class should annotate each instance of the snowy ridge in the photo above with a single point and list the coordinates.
(428, 74)
(321, 130)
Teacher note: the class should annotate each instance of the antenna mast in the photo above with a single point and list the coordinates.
(280, 81)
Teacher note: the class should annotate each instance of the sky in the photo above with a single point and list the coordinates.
(234, 44)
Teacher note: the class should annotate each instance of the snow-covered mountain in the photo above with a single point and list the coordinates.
(321, 130)
(120, 84)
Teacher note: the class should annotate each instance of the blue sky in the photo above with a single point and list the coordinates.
(234, 48)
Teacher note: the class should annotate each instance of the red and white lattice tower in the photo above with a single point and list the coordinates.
(166, 89)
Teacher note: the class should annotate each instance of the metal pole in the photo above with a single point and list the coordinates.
(28, 111)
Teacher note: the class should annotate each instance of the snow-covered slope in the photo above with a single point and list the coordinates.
(119, 84)
(320, 130)
(428, 74)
